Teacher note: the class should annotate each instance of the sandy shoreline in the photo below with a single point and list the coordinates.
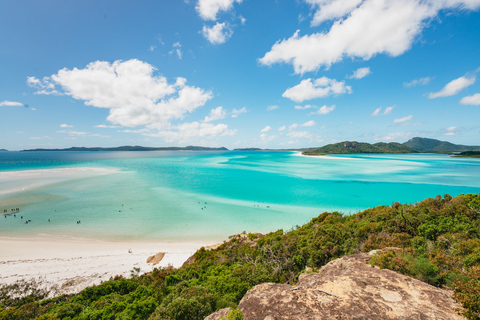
(324, 156)
(72, 265)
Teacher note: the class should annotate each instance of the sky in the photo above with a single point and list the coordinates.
(237, 73)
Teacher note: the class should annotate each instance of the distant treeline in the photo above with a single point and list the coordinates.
(136, 148)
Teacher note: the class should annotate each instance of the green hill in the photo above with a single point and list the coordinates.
(433, 145)
(351, 147)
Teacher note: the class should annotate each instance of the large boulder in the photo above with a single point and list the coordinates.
(349, 288)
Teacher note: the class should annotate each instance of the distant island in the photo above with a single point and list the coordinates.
(352, 147)
(3, 150)
(414, 145)
(433, 145)
(136, 148)
(468, 154)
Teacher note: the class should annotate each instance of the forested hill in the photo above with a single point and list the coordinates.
(136, 148)
(437, 241)
(433, 145)
(350, 147)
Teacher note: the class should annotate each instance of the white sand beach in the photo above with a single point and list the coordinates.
(322, 156)
(72, 265)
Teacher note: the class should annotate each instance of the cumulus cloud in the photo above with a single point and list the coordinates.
(293, 126)
(208, 9)
(6, 103)
(378, 111)
(282, 128)
(216, 114)
(266, 129)
(453, 87)
(236, 113)
(393, 136)
(473, 100)
(271, 108)
(105, 126)
(310, 123)
(323, 110)
(360, 73)
(133, 95)
(400, 120)
(417, 82)
(318, 88)
(217, 34)
(64, 125)
(329, 10)
(362, 29)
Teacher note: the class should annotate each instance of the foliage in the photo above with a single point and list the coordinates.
(436, 241)
(349, 147)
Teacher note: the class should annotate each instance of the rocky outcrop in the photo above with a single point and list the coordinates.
(348, 288)
(155, 259)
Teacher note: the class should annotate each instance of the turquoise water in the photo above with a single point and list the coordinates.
(182, 196)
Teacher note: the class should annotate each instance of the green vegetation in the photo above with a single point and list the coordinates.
(351, 147)
(469, 154)
(437, 241)
(437, 146)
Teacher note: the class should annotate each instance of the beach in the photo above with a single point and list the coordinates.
(72, 265)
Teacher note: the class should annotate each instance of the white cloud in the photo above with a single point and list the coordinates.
(400, 120)
(473, 100)
(216, 114)
(360, 73)
(282, 128)
(328, 9)
(388, 110)
(44, 86)
(217, 34)
(451, 131)
(177, 49)
(236, 113)
(393, 136)
(299, 134)
(6, 103)
(266, 129)
(105, 126)
(418, 82)
(133, 95)
(64, 125)
(208, 9)
(310, 123)
(308, 106)
(266, 137)
(323, 110)
(187, 131)
(453, 87)
(360, 30)
(319, 88)
(271, 108)
(378, 111)
(242, 20)
(293, 126)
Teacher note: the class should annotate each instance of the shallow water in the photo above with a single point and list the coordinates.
(183, 196)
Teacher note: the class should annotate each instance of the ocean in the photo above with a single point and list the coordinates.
(184, 196)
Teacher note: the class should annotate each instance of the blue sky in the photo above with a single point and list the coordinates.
(237, 73)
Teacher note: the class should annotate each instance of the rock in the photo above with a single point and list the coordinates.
(349, 288)
(219, 314)
(154, 260)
